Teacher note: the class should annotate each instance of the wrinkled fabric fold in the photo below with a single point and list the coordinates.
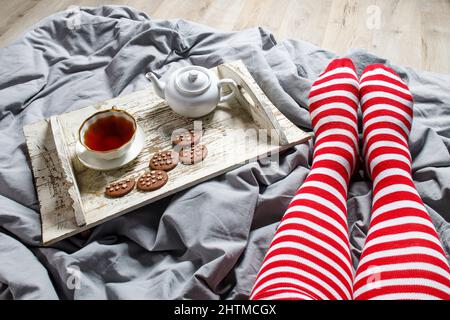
(209, 241)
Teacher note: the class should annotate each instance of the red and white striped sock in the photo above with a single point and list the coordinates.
(309, 257)
(402, 257)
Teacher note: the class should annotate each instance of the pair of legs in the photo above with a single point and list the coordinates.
(309, 257)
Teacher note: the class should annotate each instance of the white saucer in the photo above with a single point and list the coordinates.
(98, 164)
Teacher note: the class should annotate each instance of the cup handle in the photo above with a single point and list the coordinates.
(229, 82)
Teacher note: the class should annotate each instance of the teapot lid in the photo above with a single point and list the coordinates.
(193, 80)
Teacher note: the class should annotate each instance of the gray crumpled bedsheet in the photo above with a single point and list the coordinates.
(203, 243)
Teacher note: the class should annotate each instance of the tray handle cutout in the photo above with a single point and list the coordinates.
(258, 109)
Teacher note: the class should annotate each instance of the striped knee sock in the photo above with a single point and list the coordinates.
(402, 257)
(309, 257)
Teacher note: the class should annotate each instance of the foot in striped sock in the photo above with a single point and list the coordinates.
(402, 257)
(309, 257)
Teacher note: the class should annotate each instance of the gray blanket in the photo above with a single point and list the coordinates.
(203, 243)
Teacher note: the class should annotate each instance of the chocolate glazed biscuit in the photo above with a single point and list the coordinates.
(120, 188)
(165, 160)
(153, 180)
(193, 154)
(187, 138)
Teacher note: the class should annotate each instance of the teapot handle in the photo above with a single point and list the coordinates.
(229, 82)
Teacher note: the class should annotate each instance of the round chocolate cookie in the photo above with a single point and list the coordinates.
(153, 180)
(165, 160)
(194, 154)
(187, 138)
(120, 188)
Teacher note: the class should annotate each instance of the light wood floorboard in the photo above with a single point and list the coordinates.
(413, 33)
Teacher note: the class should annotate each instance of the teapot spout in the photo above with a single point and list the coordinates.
(158, 85)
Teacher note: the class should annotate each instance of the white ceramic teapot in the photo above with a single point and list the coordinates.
(192, 91)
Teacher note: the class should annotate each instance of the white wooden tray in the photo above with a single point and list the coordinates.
(71, 196)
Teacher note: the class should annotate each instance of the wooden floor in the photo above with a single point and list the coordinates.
(414, 33)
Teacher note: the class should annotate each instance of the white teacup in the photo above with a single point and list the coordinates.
(108, 134)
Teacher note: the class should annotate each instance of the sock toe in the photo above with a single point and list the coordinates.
(376, 66)
(340, 63)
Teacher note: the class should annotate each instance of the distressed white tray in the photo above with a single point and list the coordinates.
(71, 196)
